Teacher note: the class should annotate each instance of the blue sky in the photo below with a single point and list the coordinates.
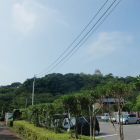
(34, 33)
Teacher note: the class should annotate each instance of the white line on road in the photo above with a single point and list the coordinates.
(106, 136)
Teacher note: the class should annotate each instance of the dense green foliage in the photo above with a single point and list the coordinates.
(74, 104)
(51, 87)
(74, 100)
(30, 132)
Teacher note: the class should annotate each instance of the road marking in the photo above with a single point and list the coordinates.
(106, 136)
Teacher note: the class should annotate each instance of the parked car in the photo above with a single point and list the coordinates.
(128, 118)
(58, 119)
(114, 116)
(105, 117)
(83, 125)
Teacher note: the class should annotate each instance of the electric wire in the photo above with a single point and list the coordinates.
(76, 38)
(81, 39)
(89, 35)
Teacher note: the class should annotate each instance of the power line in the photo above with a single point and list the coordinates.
(90, 34)
(81, 39)
(76, 37)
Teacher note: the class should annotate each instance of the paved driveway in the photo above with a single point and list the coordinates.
(8, 134)
(131, 132)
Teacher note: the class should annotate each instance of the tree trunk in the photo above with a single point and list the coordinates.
(76, 127)
(94, 125)
(90, 123)
(121, 137)
(68, 119)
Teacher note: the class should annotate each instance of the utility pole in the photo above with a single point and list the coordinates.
(33, 91)
(26, 103)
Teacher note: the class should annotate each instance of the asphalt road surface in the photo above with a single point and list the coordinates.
(8, 134)
(131, 131)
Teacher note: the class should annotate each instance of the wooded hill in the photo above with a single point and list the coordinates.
(51, 87)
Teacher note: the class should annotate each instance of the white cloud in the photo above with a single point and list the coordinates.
(106, 43)
(29, 13)
(24, 18)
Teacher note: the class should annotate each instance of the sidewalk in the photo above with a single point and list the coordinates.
(8, 134)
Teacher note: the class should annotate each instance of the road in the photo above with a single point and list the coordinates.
(8, 134)
(131, 131)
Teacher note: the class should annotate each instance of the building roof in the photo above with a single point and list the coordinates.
(111, 100)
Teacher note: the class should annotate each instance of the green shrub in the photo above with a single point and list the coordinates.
(10, 122)
(31, 132)
(16, 114)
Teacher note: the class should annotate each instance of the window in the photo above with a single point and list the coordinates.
(133, 115)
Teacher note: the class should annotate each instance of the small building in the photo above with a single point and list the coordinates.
(109, 104)
(97, 72)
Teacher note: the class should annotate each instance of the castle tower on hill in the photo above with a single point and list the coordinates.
(97, 72)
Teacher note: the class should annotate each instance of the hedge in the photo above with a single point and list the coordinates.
(10, 122)
(31, 132)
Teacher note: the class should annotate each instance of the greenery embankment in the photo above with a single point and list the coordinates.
(51, 87)
(75, 97)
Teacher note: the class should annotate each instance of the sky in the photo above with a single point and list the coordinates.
(35, 33)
